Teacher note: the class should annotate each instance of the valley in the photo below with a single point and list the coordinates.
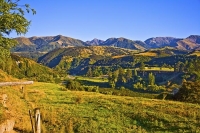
(140, 73)
(133, 90)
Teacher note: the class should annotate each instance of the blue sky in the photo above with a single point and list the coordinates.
(102, 19)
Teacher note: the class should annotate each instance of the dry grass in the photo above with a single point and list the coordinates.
(119, 56)
(149, 53)
(197, 53)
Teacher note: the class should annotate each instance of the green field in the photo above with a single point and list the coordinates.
(157, 69)
(79, 111)
(93, 79)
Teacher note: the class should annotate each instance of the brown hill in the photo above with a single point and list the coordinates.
(45, 44)
(190, 43)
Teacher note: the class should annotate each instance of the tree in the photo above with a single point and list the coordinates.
(189, 92)
(115, 75)
(129, 75)
(12, 18)
(135, 73)
(121, 79)
(142, 66)
(111, 80)
(89, 72)
(151, 79)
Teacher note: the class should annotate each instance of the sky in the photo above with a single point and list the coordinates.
(103, 19)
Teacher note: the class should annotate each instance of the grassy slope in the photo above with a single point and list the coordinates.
(197, 53)
(64, 111)
(5, 77)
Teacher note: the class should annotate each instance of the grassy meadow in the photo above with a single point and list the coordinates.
(78, 111)
(93, 81)
(158, 69)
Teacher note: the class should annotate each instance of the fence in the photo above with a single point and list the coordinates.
(15, 83)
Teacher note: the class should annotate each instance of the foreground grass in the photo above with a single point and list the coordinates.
(75, 111)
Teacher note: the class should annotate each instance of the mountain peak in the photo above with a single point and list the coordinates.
(194, 38)
(95, 41)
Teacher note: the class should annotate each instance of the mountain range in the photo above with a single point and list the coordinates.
(48, 43)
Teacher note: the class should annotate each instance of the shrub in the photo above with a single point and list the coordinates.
(73, 85)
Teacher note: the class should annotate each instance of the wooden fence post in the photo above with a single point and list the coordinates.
(33, 129)
(37, 121)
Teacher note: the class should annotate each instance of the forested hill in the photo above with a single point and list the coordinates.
(24, 68)
(53, 58)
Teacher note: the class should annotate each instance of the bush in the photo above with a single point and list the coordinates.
(91, 88)
(189, 92)
(73, 85)
(155, 88)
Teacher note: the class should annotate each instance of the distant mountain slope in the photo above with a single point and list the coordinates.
(189, 43)
(157, 42)
(125, 43)
(186, 44)
(49, 43)
(95, 42)
(45, 44)
(194, 39)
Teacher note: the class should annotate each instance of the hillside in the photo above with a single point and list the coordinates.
(24, 68)
(77, 60)
(157, 42)
(189, 43)
(54, 57)
(125, 43)
(45, 44)
(79, 111)
(161, 52)
(5, 77)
